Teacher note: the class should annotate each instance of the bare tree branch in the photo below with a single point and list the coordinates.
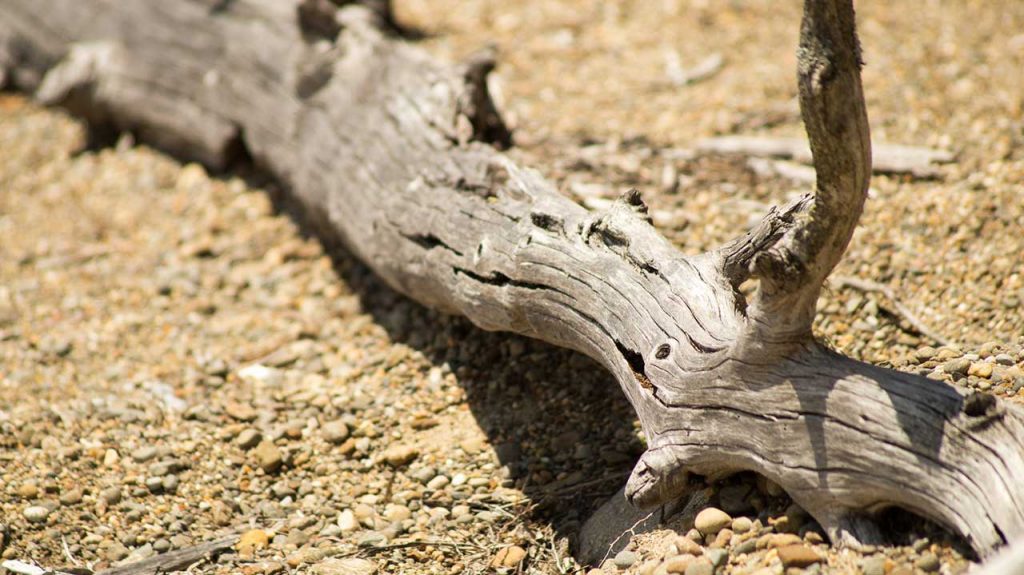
(832, 105)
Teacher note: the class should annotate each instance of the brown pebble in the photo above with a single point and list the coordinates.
(722, 539)
(980, 369)
(798, 556)
(335, 432)
(240, 411)
(773, 540)
(71, 497)
(28, 491)
(711, 520)
(679, 563)
(399, 455)
(307, 555)
(509, 556)
(268, 456)
(252, 541)
(687, 546)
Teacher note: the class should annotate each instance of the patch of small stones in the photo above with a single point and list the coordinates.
(183, 364)
(765, 535)
(220, 377)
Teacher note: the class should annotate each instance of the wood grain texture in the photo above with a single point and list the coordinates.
(391, 153)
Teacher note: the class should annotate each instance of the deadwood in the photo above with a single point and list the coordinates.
(394, 155)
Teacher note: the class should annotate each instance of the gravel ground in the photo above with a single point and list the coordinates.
(178, 362)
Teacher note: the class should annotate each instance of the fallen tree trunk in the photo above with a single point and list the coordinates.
(391, 153)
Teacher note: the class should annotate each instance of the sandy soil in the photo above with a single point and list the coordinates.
(177, 361)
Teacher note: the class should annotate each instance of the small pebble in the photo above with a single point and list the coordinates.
(742, 525)
(1004, 359)
(252, 541)
(687, 546)
(36, 513)
(161, 546)
(144, 454)
(399, 455)
(111, 495)
(438, 482)
(71, 497)
(718, 557)
(711, 520)
(347, 521)
(980, 369)
(874, 565)
(509, 556)
(111, 458)
(248, 438)
(679, 563)
(28, 491)
(170, 483)
(700, 566)
(240, 411)
(268, 456)
(797, 556)
(957, 367)
(335, 432)
(928, 562)
(746, 546)
(624, 559)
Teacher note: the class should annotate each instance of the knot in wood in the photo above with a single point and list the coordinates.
(633, 198)
(663, 351)
(979, 404)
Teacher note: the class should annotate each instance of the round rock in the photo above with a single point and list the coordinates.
(711, 520)
(144, 454)
(248, 438)
(509, 556)
(36, 513)
(71, 497)
(335, 432)
(268, 456)
(742, 524)
(928, 562)
(28, 491)
(399, 455)
(111, 495)
(624, 559)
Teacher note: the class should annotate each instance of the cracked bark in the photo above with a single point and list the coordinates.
(394, 155)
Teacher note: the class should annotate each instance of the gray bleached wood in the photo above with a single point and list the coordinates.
(390, 153)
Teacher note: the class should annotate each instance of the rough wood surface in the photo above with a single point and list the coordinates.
(391, 153)
(1009, 561)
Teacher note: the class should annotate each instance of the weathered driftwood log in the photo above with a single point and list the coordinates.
(392, 154)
